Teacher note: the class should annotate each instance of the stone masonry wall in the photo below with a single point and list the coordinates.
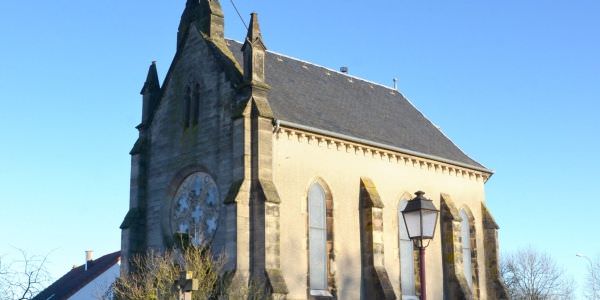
(206, 147)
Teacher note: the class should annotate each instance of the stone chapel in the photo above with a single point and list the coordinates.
(298, 174)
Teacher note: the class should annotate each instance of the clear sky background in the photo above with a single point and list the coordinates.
(514, 83)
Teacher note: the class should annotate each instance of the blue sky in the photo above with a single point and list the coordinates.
(514, 83)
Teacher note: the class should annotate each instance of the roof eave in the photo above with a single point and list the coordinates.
(384, 146)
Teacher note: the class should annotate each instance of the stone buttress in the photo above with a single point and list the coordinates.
(376, 281)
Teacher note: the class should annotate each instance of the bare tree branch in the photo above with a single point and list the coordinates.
(24, 278)
(533, 275)
(156, 273)
(592, 287)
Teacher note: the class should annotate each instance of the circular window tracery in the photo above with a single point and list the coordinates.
(195, 208)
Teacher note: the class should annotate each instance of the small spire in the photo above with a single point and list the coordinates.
(254, 28)
(152, 83)
(254, 35)
(254, 53)
(150, 92)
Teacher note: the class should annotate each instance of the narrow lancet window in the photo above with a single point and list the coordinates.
(317, 222)
(186, 107)
(407, 265)
(196, 105)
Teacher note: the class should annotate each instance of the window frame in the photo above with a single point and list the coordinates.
(317, 233)
(413, 277)
(187, 102)
(468, 227)
(327, 205)
(195, 106)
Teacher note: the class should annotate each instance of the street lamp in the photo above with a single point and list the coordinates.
(420, 217)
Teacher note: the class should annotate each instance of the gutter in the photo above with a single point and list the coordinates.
(383, 146)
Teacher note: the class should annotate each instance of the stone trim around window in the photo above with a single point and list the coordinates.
(455, 284)
(331, 293)
(473, 242)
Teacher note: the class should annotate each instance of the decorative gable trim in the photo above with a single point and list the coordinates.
(224, 57)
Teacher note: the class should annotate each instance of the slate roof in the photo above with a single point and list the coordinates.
(325, 99)
(78, 277)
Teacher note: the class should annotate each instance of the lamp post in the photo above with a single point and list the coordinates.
(420, 217)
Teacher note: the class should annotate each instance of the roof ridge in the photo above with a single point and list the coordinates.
(328, 68)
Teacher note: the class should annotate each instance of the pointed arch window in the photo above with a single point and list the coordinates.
(407, 261)
(187, 102)
(317, 240)
(466, 247)
(195, 105)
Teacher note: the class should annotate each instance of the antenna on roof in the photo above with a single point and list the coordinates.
(395, 83)
(344, 70)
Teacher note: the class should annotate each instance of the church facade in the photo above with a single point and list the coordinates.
(298, 174)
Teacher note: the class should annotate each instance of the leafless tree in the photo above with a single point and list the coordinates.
(592, 287)
(24, 278)
(533, 275)
(155, 273)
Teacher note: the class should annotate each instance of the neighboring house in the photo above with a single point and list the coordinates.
(88, 281)
(297, 174)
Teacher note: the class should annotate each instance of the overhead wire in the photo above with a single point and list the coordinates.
(238, 13)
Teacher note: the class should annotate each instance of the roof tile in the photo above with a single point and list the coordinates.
(329, 100)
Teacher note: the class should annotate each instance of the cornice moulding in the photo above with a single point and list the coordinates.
(382, 151)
